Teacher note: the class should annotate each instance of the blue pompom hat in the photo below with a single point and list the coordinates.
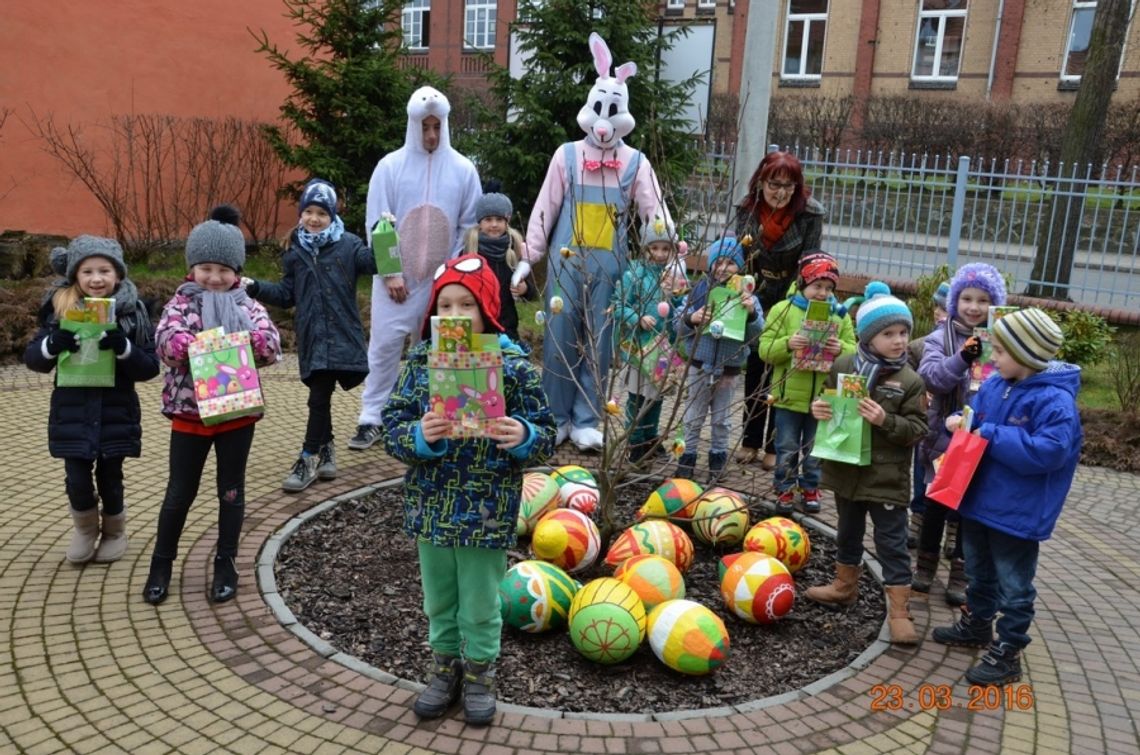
(940, 294)
(729, 247)
(879, 311)
(321, 193)
(977, 275)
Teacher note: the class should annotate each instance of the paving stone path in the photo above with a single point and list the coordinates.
(87, 666)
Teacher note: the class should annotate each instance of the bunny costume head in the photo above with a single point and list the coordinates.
(427, 101)
(605, 117)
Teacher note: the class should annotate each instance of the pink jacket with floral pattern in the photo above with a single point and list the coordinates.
(182, 316)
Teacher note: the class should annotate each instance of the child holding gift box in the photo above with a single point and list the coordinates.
(502, 247)
(210, 297)
(642, 304)
(793, 387)
(94, 429)
(714, 363)
(319, 274)
(462, 496)
(947, 355)
(1028, 413)
(896, 410)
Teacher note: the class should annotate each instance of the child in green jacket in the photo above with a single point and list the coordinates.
(794, 387)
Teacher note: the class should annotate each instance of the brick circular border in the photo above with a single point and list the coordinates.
(267, 583)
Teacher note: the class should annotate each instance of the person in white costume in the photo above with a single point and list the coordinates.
(431, 190)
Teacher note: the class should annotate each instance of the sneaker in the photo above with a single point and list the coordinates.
(366, 436)
(1000, 665)
(561, 435)
(811, 501)
(326, 468)
(303, 475)
(786, 502)
(587, 438)
(966, 632)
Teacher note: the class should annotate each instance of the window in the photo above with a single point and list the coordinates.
(479, 26)
(938, 43)
(1077, 47)
(707, 3)
(527, 9)
(675, 5)
(415, 21)
(803, 39)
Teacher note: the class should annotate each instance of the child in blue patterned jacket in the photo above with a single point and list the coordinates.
(462, 496)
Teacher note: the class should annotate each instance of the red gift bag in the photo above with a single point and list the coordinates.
(957, 468)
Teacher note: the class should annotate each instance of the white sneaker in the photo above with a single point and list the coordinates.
(587, 438)
(562, 434)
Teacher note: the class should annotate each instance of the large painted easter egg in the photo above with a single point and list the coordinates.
(566, 538)
(653, 578)
(720, 518)
(607, 620)
(655, 536)
(780, 538)
(675, 499)
(539, 495)
(535, 596)
(577, 487)
(688, 637)
(758, 588)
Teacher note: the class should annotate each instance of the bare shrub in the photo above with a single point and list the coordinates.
(810, 121)
(1126, 371)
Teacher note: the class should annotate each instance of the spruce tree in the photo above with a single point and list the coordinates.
(348, 104)
(534, 114)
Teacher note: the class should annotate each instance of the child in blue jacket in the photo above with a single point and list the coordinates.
(1028, 413)
(462, 496)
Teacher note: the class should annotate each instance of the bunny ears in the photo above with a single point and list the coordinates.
(604, 60)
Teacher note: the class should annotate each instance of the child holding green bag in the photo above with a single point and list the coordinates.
(895, 407)
(94, 428)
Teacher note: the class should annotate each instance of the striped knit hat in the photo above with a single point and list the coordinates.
(1030, 336)
(879, 311)
(940, 294)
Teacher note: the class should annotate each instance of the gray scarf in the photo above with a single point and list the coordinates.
(224, 308)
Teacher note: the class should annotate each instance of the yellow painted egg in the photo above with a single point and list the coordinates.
(566, 538)
(688, 637)
(780, 538)
(607, 620)
(675, 499)
(655, 536)
(539, 495)
(758, 588)
(653, 578)
(720, 518)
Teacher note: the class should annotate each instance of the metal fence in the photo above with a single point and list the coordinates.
(1056, 231)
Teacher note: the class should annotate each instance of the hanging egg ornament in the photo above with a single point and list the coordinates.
(679, 446)
(683, 247)
(566, 252)
(748, 284)
(746, 240)
(612, 407)
(716, 328)
(662, 309)
(540, 317)
(556, 304)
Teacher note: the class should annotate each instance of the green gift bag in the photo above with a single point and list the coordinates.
(386, 249)
(90, 367)
(846, 437)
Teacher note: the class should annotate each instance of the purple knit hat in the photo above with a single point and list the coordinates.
(977, 275)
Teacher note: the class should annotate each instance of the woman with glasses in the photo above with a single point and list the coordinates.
(782, 221)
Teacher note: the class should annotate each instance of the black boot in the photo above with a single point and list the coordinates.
(478, 692)
(966, 632)
(956, 583)
(925, 567)
(442, 689)
(1000, 665)
(158, 581)
(637, 452)
(686, 465)
(717, 460)
(225, 579)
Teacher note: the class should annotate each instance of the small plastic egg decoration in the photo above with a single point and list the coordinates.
(662, 309)
(716, 328)
(556, 304)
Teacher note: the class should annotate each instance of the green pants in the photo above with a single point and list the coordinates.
(461, 599)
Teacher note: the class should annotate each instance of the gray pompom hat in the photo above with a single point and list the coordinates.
(65, 260)
(493, 205)
(220, 243)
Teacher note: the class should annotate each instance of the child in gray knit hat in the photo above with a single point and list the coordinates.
(211, 296)
(94, 428)
(494, 240)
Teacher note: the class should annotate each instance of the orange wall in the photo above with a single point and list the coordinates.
(85, 61)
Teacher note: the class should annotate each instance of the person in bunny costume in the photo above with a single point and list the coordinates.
(588, 190)
(431, 190)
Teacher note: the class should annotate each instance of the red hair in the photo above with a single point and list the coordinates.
(776, 164)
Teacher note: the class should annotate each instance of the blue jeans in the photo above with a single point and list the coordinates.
(889, 535)
(1000, 570)
(795, 434)
(918, 496)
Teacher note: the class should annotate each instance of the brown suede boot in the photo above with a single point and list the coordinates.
(82, 546)
(899, 622)
(843, 590)
(113, 544)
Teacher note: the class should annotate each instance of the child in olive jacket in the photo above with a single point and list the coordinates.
(793, 387)
(896, 410)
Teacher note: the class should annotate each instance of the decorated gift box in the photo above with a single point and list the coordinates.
(226, 384)
(386, 248)
(90, 366)
(982, 367)
(817, 327)
(465, 376)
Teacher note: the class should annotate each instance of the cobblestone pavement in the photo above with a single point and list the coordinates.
(87, 666)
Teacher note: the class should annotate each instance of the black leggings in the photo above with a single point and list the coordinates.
(108, 481)
(757, 417)
(933, 521)
(188, 454)
(319, 430)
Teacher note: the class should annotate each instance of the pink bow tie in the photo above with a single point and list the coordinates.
(592, 165)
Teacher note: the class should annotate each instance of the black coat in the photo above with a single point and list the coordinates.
(776, 268)
(89, 423)
(327, 323)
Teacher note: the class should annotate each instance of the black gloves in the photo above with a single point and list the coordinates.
(115, 340)
(252, 288)
(971, 349)
(60, 340)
